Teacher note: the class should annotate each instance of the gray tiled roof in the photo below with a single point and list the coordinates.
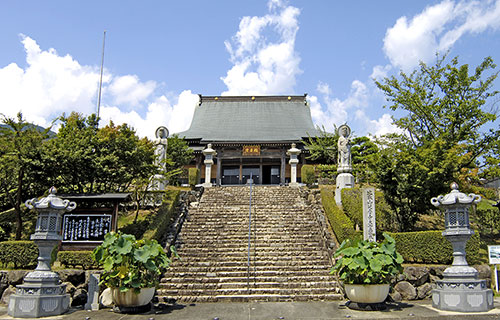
(262, 118)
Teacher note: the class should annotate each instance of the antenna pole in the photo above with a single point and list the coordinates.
(100, 79)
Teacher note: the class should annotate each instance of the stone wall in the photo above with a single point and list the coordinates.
(76, 284)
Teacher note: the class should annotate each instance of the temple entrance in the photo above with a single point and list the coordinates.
(270, 174)
(247, 170)
(231, 175)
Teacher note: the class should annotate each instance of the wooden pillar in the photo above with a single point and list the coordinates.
(218, 181)
(283, 164)
(198, 166)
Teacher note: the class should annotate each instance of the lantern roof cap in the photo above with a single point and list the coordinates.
(455, 197)
(51, 201)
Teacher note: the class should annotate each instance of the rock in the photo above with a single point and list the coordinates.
(438, 271)
(4, 284)
(484, 271)
(106, 298)
(16, 277)
(434, 278)
(191, 198)
(395, 296)
(75, 276)
(79, 297)
(417, 276)
(406, 289)
(70, 288)
(400, 277)
(424, 291)
(6, 294)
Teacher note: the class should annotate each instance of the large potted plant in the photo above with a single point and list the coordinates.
(132, 268)
(367, 268)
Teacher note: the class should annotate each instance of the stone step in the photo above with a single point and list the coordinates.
(252, 297)
(219, 277)
(242, 273)
(244, 285)
(252, 291)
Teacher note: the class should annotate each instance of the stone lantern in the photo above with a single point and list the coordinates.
(42, 293)
(209, 154)
(293, 153)
(460, 289)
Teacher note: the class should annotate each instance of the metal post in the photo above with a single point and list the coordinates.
(496, 279)
(249, 233)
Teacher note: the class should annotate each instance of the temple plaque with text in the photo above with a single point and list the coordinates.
(251, 150)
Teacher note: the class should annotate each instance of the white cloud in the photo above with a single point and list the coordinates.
(337, 111)
(260, 66)
(161, 112)
(379, 72)
(379, 127)
(436, 29)
(129, 90)
(51, 84)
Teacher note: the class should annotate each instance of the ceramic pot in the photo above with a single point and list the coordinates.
(131, 298)
(367, 293)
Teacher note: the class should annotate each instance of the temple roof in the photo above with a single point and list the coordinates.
(247, 118)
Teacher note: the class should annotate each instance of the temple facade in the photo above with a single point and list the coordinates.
(250, 136)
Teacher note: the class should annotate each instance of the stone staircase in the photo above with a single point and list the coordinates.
(288, 260)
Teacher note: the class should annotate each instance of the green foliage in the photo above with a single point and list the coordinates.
(323, 149)
(327, 171)
(21, 254)
(352, 203)
(77, 258)
(3, 234)
(129, 263)
(364, 155)
(444, 136)
(341, 225)
(178, 155)
(22, 167)
(368, 262)
(194, 176)
(307, 173)
(107, 159)
(432, 247)
(487, 216)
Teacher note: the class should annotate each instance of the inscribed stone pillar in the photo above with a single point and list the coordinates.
(293, 153)
(369, 224)
(209, 154)
(344, 168)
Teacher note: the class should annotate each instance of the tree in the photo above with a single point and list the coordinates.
(178, 155)
(444, 133)
(364, 154)
(323, 149)
(22, 169)
(87, 159)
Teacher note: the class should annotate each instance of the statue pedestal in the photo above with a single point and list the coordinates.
(41, 295)
(462, 295)
(344, 180)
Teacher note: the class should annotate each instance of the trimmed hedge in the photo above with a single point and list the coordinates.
(165, 216)
(21, 254)
(352, 203)
(193, 176)
(308, 175)
(432, 247)
(341, 224)
(77, 258)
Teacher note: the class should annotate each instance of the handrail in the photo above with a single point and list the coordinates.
(249, 233)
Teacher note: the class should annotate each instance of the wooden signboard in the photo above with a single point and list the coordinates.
(251, 150)
(91, 227)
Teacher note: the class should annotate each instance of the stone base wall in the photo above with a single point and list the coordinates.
(416, 282)
(76, 284)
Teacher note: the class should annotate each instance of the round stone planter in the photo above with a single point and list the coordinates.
(131, 299)
(367, 293)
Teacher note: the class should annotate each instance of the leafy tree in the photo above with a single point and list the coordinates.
(87, 159)
(22, 169)
(364, 154)
(323, 149)
(178, 155)
(445, 113)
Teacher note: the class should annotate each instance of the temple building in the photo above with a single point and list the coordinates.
(250, 135)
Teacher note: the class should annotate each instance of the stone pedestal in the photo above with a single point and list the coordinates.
(462, 295)
(209, 153)
(293, 153)
(41, 295)
(344, 180)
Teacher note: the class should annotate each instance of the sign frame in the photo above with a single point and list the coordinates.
(109, 228)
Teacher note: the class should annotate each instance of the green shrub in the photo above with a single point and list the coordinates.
(307, 174)
(328, 171)
(487, 216)
(166, 215)
(19, 254)
(193, 176)
(3, 234)
(352, 203)
(77, 258)
(341, 224)
(432, 247)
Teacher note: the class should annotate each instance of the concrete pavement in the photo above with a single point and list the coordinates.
(274, 311)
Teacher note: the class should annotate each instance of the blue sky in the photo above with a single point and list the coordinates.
(161, 54)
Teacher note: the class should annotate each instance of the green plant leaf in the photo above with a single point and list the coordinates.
(143, 254)
(123, 245)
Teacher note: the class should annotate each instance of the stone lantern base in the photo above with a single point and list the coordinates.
(462, 295)
(344, 180)
(40, 295)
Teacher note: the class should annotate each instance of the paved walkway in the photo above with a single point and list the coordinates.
(275, 311)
